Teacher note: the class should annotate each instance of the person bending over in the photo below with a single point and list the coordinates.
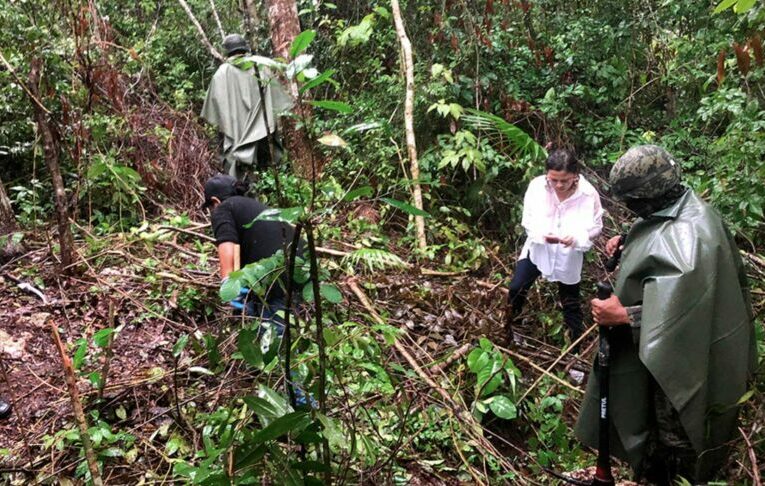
(231, 217)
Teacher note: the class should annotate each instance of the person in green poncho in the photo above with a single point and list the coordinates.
(234, 104)
(680, 325)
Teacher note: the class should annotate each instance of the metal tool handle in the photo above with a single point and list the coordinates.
(604, 290)
(603, 476)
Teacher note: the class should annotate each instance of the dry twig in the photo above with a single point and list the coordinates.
(79, 415)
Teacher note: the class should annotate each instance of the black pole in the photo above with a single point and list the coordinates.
(603, 476)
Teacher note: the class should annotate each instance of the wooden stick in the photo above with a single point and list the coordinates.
(79, 415)
(461, 351)
(217, 20)
(402, 350)
(752, 457)
(539, 368)
(557, 360)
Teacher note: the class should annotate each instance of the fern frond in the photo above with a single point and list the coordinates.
(374, 259)
(523, 144)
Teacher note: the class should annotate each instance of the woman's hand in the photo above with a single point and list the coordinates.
(552, 239)
(567, 241)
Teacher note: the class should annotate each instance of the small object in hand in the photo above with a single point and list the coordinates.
(5, 409)
(552, 239)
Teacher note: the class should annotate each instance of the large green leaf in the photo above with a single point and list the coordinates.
(743, 6)
(322, 78)
(286, 215)
(301, 42)
(489, 378)
(725, 4)
(230, 288)
(250, 348)
(477, 360)
(503, 407)
(407, 208)
(292, 422)
(364, 191)
(333, 105)
(522, 143)
(101, 338)
(264, 408)
(331, 293)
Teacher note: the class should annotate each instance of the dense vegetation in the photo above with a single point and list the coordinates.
(176, 390)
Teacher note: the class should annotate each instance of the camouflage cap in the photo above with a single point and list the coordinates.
(644, 172)
(235, 43)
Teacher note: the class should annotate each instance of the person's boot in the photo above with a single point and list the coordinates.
(5, 409)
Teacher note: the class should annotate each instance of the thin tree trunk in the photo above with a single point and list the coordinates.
(285, 26)
(202, 36)
(79, 414)
(250, 11)
(414, 166)
(7, 218)
(217, 20)
(51, 152)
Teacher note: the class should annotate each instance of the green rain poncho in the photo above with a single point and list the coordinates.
(696, 340)
(234, 106)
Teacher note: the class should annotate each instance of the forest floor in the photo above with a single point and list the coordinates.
(150, 289)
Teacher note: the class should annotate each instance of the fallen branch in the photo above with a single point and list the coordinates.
(492, 286)
(437, 273)
(79, 415)
(564, 353)
(539, 368)
(472, 427)
(201, 236)
(461, 351)
(27, 287)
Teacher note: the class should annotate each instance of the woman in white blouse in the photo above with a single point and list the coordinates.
(562, 217)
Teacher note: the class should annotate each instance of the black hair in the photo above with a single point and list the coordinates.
(562, 160)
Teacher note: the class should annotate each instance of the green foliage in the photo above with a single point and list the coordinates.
(373, 259)
(496, 380)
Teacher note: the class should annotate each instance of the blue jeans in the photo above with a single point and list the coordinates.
(268, 313)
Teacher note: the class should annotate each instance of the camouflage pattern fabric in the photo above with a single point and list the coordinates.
(670, 452)
(644, 172)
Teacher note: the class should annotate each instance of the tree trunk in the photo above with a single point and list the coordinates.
(414, 166)
(51, 152)
(285, 26)
(7, 218)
